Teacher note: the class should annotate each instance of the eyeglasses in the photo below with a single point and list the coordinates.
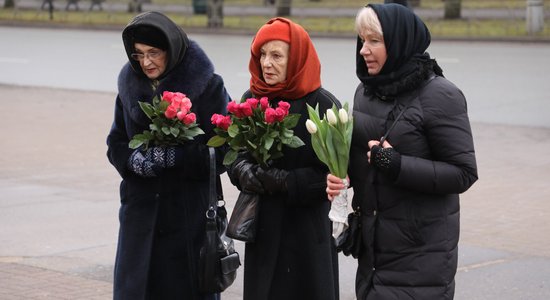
(152, 55)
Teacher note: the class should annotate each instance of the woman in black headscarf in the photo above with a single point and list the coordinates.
(407, 186)
(164, 190)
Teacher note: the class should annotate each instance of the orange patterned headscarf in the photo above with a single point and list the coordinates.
(304, 68)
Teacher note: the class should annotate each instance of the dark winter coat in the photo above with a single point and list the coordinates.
(410, 216)
(294, 256)
(411, 225)
(162, 218)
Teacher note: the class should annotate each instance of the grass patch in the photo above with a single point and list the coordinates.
(463, 28)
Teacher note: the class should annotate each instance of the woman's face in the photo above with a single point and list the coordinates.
(373, 51)
(274, 61)
(152, 60)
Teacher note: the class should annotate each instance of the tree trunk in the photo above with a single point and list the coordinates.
(9, 4)
(283, 8)
(134, 6)
(414, 3)
(215, 13)
(452, 9)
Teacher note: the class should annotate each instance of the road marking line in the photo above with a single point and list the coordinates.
(481, 265)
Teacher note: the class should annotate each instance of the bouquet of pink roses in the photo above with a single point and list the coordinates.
(255, 127)
(172, 121)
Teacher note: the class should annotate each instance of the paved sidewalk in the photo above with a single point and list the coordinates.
(59, 204)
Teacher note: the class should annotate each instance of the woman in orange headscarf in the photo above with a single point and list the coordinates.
(294, 254)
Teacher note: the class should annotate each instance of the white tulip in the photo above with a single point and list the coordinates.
(331, 117)
(343, 114)
(311, 127)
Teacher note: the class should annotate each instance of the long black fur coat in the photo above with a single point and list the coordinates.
(162, 218)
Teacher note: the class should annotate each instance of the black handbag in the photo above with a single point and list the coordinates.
(218, 260)
(350, 241)
(242, 224)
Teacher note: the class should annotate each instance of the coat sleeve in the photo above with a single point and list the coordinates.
(118, 151)
(451, 167)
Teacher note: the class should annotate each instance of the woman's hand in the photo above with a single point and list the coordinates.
(334, 186)
(373, 143)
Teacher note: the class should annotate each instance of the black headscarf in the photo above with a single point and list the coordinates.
(406, 38)
(157, 30)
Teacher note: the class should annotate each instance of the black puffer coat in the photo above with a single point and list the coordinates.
(410, 222)
(411, 225)
(162, 218)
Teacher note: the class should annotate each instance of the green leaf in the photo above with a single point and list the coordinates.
(295, 142)
(233, 130)
(319, 149)
(331, 154)
(341, 152)
(268, 142)
(174, 131)
(147, 108)
(139, 139)
(192, 132)
(229, 157)
(165, 130)
(291, 120)
(162, 105)
(216, 141)
(134, 144)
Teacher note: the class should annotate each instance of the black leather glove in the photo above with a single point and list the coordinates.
(151, 162)
(245, 173)
(387, 160)
(273, 180)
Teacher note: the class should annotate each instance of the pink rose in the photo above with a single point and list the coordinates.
(270, 115)
(264, 103)
(285, 106)
(221, 121)
(225, 122)
(245, 109)
(181, 115)
(253, 102)
(167, 96)
(171, 112)
(280, 114)
(233, 107)
(189, 119)
(185, 104)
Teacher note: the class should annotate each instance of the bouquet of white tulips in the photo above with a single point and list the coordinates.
(331, 141)
(331, 137)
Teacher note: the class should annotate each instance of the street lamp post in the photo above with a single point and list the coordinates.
(535, 16)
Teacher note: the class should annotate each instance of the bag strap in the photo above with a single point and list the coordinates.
(212, 199)
(385, 136)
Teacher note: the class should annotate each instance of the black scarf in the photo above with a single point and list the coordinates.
(406, 38)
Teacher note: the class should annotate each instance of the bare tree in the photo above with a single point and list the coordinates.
(134, 6)
(453, 9)
(414, 3)
(214, 13)
(283, 8)
(9, 4)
